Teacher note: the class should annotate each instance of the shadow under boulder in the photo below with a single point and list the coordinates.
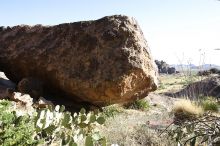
(29, 92)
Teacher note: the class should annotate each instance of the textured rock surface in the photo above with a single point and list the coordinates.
(206, 87)
(163, 67)
(101, 62)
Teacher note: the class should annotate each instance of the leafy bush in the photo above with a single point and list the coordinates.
(15, 130)
(141, 104)
(111, 111)
(49, 126)
(210, 104)
(203, 130)
(161, 86)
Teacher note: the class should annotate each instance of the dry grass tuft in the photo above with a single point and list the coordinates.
(186, 110)
(187, 107)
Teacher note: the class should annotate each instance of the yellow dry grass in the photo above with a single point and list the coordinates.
(170, 83)
(175, 82)
(187, 107)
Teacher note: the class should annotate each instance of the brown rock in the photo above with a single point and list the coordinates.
(42, 103)
(24, 98)
(101, 62)
(31, 86)
(206, 87)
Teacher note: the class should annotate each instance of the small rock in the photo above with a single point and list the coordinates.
(24, 98)
(31, 86)
(42, 103)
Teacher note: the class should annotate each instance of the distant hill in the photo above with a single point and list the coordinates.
(180, 67)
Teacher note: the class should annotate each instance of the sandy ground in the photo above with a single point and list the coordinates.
(140, 128)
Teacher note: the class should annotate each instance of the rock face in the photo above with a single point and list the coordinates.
(101, 62)
(163, 67)
(206, 87)
(171, 70)
(209, 72)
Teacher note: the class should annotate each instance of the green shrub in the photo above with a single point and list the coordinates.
(141, 104)
(161, 86)
(5, 105)
(203, 130)
(111, 111)
(15, 130)
(210, 104)
(49, 126)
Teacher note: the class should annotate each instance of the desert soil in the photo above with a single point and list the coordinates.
(140, 128)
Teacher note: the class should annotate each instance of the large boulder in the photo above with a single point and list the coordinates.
(101, 62)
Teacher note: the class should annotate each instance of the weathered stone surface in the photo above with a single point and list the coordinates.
(100, 62)
(171, 70)
(163, 67)
(206, 87)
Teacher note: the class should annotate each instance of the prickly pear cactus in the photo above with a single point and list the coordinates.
(56, 126)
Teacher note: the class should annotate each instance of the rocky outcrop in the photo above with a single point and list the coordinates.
(100, 62)
(163, 67)
(208, 72)
(206, 87)
(171, 70)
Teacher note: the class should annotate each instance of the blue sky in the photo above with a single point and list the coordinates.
(175, 29)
